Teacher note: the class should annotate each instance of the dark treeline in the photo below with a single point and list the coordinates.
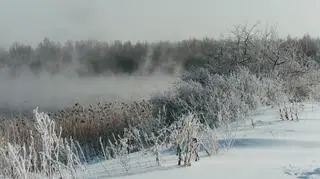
(259, 51)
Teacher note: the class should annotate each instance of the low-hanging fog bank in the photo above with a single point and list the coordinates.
(53, 92)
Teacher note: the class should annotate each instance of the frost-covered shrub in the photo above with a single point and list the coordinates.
(208, 95)
(167, 106)
(248, 86)
(200, 75)
(58, 157)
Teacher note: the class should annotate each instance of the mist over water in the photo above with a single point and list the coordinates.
(55, 92)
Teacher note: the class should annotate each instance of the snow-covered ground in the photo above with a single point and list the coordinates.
(274, 149)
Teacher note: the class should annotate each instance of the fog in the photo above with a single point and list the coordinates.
(56, 92)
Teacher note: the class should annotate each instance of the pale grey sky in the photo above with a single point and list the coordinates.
(32, 20)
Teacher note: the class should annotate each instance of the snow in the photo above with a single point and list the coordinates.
(273, 149)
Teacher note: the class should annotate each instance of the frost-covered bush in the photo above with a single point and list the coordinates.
(248, 86)
(207, 95)
(57, 157)
(189, 134)
(200, 75)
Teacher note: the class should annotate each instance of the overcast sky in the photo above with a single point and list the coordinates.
(32, 20)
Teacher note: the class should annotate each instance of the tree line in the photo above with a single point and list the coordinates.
(260, 51)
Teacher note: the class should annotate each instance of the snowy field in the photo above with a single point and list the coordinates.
(274, 149)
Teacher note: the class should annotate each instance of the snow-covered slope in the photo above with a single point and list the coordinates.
(274, 149)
